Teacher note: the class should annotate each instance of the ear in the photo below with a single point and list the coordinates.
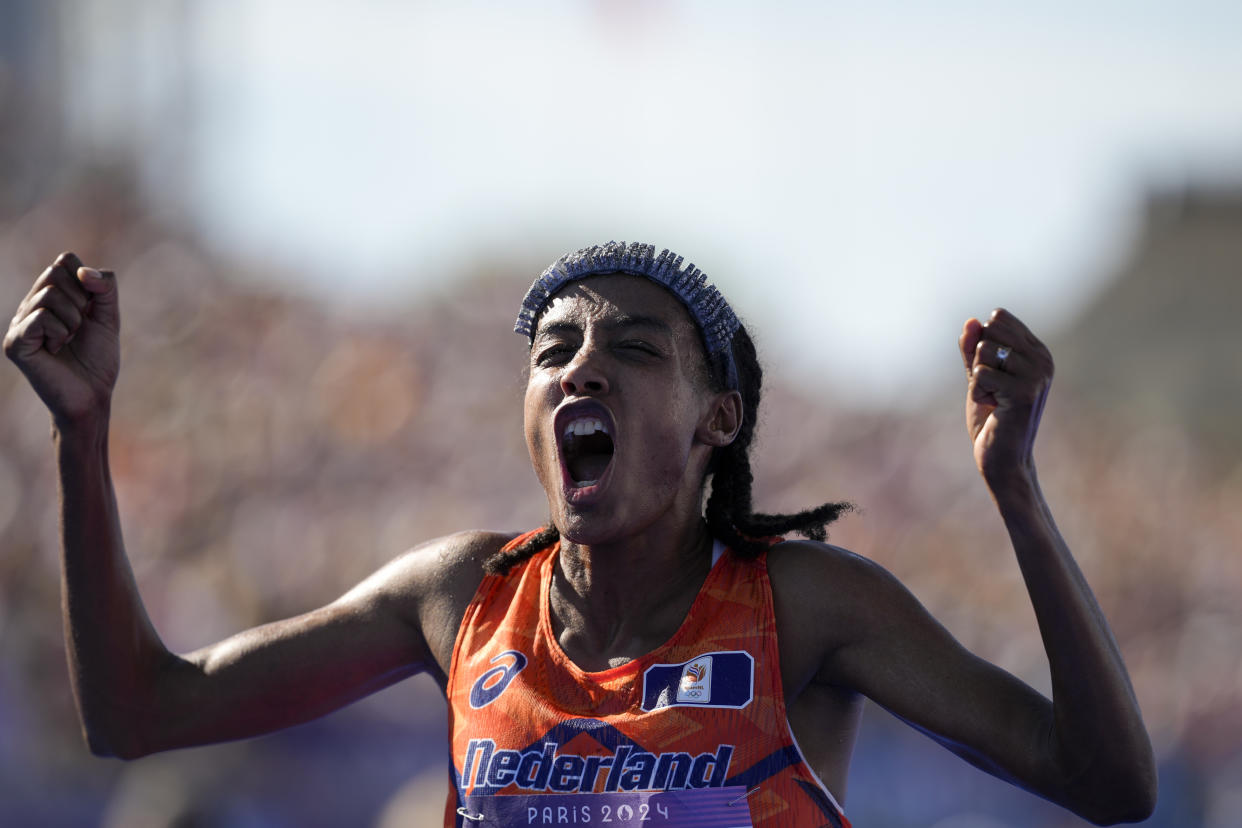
(722, 421)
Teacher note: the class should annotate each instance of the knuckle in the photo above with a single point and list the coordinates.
(15, 338)
(43, 322)
(45, 278)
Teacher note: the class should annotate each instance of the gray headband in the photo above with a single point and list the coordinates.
(711, 313)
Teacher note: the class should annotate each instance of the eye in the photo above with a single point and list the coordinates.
(639, 347)
(552, 355)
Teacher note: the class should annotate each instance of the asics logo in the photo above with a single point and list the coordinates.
(491, 684)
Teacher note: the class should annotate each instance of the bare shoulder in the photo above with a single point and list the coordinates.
(447, 563)
(822, 578)
(431, 585)
(826, 599)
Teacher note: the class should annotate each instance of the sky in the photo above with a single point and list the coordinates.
(857, 177)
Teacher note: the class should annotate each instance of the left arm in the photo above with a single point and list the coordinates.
(1086, 748)
(1098, 739)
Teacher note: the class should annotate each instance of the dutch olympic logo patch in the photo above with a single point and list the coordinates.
(724, 679)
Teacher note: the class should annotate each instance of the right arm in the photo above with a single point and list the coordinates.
(134, 696)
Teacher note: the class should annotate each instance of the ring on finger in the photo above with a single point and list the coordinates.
(1002, 354)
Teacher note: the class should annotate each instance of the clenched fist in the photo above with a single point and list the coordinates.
(65, 339)
(1009, 373)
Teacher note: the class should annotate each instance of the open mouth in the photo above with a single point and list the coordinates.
(587, 448)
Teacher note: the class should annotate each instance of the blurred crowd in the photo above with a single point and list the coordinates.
(270, 451)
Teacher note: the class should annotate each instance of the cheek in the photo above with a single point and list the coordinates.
(665, 454)
(533, 420)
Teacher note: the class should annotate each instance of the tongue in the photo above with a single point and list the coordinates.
(587, 468)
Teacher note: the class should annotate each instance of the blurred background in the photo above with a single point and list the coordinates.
(324, 216)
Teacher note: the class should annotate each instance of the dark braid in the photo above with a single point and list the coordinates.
(502, 562)
(728, 513)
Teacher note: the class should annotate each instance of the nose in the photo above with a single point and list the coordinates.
(583, 374)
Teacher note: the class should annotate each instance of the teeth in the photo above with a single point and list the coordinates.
(584, 427)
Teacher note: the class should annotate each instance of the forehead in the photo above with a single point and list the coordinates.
(616, 298)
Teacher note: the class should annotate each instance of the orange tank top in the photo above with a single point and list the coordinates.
(693, 733)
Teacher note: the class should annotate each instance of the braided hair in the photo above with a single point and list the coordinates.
(729, 512)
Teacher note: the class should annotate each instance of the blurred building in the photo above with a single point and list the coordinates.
(86, 87)
(1161, 344)
(29, 101)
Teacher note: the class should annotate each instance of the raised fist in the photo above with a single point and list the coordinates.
(65, 339)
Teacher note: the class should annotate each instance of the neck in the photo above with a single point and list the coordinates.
(614, 602)
(629, 570)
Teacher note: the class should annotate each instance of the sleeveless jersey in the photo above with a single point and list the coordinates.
(698, 724)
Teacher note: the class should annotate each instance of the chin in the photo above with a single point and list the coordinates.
(591, 527)
(584, 531)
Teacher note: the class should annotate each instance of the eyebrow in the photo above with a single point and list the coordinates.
(628, 322)
(623, 322)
